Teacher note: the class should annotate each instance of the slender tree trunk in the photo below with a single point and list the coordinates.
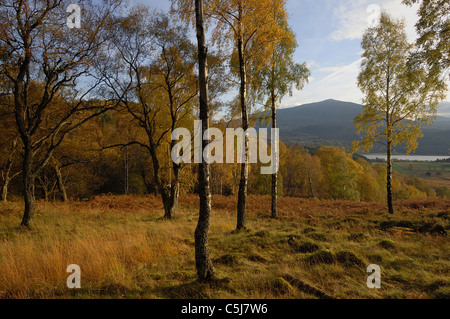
(173, 192)
(4, 191)
(127, 172)
(29, 185)
(45, 187)
(176, 185)
(170, 196)
(205, 269)
(7, 175)
(148, 185)
(389, 149)
(243, 185)
(389, 178)
(60, 183)
(177, 195)
(274, 175)
(169, 203)
(311, 188)
(164, 190)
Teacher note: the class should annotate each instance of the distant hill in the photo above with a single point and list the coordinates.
(330, 122)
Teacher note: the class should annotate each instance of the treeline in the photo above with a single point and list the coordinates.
(331, 173)
(85, 166)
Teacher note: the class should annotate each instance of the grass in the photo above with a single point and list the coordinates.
(316, 248)
(437, 173)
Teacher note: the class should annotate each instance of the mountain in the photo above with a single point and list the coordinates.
(330, 122)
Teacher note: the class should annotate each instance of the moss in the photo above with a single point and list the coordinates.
(322, 256)
(317, 236)
(307, 288)
(442, 293)
(190, 290)
(180, 275)
(421, 227)
(307, 247)
(444, 215)
(385, 225)
(375, 258)
(399, 278)
(431, 228)
(356, 237)
(396, 294)
(279, 286)
(262, 234)
(349, 259)
(308, 230)
(401, 264)
(387, 244)
(435, 285)
(228, 259)
(113, 288)
(256, 258)
(350, 221)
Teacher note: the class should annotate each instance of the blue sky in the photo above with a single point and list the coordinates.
(329, 35)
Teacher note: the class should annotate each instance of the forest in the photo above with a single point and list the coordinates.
(91, 96)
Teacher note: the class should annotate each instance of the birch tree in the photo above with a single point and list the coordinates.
(275, 79)
(433, 43)
(399, 96)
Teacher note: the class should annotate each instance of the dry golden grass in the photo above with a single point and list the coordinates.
(125, 250)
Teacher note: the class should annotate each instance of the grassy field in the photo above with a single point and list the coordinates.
(434, 172)
(316, 249)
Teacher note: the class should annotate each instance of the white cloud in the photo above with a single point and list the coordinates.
(339, 85)
(354, 17)
(311, 64)
(352, 20)
(331, 69)
(339, 81)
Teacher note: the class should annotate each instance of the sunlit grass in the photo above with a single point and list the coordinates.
(125, 249)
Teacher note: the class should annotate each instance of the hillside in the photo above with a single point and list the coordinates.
(330, 122)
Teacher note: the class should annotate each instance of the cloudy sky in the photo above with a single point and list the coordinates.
(329, 34)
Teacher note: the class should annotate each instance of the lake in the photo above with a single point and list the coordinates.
(420, 158)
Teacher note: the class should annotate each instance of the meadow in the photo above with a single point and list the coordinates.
(437, 173)
(316, 249)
